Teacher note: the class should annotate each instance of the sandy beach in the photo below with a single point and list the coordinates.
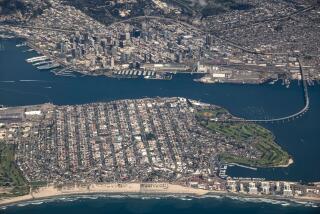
(121, 188)
(286, 165)
(128, 188)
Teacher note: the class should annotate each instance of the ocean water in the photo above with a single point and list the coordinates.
(144, 205)
(23, 84)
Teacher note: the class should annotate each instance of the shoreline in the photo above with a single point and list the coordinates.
(110, 188)
(142, 194)
(85, 72)
(290, 161)
(152, 189)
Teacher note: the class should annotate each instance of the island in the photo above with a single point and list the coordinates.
(147, 146)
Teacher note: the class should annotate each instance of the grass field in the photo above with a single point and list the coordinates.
(10, 175)
(246, 133)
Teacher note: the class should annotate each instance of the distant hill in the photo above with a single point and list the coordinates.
(12, 6)
(27, 8)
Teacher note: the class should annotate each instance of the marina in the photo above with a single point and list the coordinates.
(86, 125)
(44, 63)
(235, 97)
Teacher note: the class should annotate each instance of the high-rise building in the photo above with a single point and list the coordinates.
(287, 191)
(62, 47)
(265, 187)
(122, 36)
(278, 186)
(73, 53)
(112, 62)
(104, 64)
(145, 58)
(127, 28)
(109, 40)
(79, 52)
(93, 62)
(114, 51)
(86, 37)
(104, 43)
(208, 40)
(91, 41)
(122, 44)
(252, 188)
(127, 36)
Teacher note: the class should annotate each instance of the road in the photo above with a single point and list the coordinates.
(285, 118)
(304, 82)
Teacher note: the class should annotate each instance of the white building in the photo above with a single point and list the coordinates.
(252, 188)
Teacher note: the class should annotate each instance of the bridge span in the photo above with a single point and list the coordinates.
(288, 117)
(285, 118)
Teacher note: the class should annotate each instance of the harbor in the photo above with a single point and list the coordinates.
(44, 63)
(243, 100)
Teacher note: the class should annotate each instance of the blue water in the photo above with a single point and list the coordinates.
(158, 206)
(300, 137)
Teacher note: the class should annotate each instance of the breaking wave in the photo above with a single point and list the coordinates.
(159, 197)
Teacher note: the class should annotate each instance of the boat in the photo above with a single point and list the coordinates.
(41, 63)
(47, 66)
(36, 59)
(29, 50)
(273, 82)
(21, 44)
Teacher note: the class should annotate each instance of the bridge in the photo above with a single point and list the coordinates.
(231, 43)
(288, 117)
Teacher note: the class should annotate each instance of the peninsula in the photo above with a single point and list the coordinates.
(152, 145)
